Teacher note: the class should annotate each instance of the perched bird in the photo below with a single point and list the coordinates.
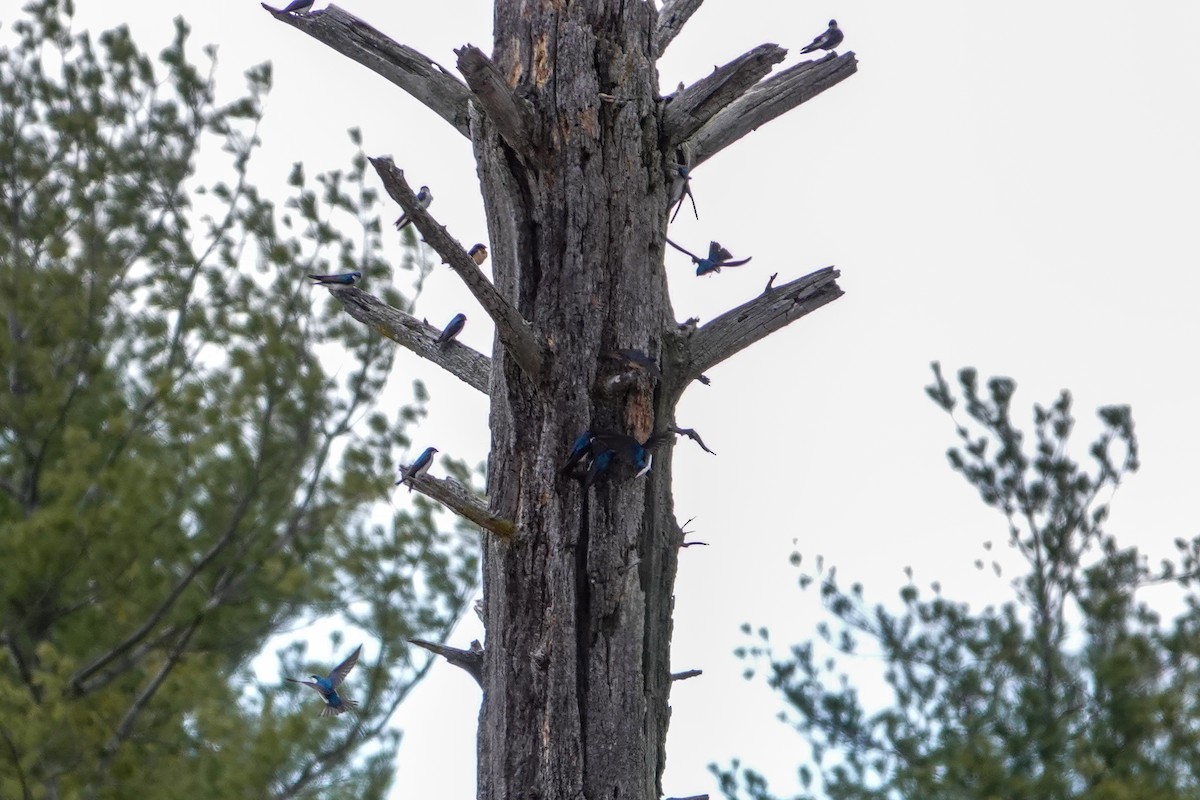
(478, 254)
(830, 38)
(717, 257)
(452, 329)
(341, 279)
(578, 451)
(327, 687)
(635, 359)
(418, 467)
(424, 198)
(297, 7)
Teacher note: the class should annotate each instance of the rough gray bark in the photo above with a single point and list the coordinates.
(575, 148)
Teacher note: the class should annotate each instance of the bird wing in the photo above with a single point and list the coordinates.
(343, 669)
(402, 221)
(688, 253)
(717, 253)
(737, 263)
(310, 684)
(624, 445)
(324, 277)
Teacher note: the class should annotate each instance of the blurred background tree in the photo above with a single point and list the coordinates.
(1074, 688)
(191, 457)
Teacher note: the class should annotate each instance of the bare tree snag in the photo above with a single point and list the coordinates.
(701, 101)
(772, 98)
(469, 366)
(578, 585)
(671, 19)
(417, 74)
(511, 328)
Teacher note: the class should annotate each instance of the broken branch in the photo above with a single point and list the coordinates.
(683, 676)
(469, 660)
(671, 19)
(512, 116)
(695, 437)
(738, 328)
(514, 332)
(769, 99)
(462, 501)
(469, 366)
(707, 97)
(415, 73)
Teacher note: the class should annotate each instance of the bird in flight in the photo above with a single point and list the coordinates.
(717, 257)
(327, 687)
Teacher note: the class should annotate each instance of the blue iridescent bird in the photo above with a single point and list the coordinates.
(478, 253)
(452, 329)
(830, 38)
(417, 468)
(340, 279)
(636, 453)
(424, 198)
(327, 687)
(578, 451)
(717, 257)
(297, 7)
(598, 468)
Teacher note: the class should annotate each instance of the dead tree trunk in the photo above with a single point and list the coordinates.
(577, 154)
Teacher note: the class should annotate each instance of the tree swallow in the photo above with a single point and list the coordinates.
(829, 39)
(598, 468)
(452, 329)
(578, 451)
(717, 257)
(418, 467)
(298, 7)
(327, 687)
(478, 254)
(636, 453)
(681, 185)
(424, 198)
(341, 279)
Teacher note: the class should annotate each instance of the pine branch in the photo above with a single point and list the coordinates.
(671, 19)
(514, 332)
(704, 99)
(469, 366)
(769, 99)
(737, 329)
(512, 116)
(469, 660)
(417, 74)
(462, 501)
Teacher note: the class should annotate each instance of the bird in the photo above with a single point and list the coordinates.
(598, 468)
(327, 687)
(478, 254)
(424, 198)
(717, 257)
(636, 453)
(578, 451)
(635, 359)
(418, 467)
(452, 329)
(830, 38)
(297, 7)
(341, 279)
(681, 185)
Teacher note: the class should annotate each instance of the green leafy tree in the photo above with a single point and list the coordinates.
(190, 449)
(1075, 688)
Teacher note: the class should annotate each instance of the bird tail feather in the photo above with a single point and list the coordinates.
(333, 711)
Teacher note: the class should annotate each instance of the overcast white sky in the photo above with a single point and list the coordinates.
(1011, 189)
